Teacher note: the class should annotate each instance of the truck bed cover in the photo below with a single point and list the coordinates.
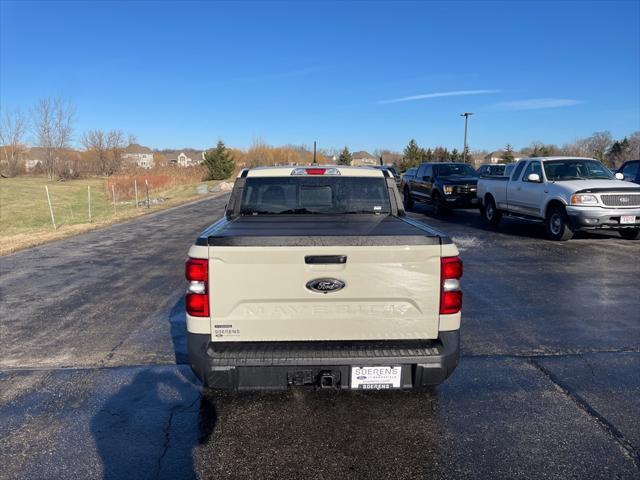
(320, 230)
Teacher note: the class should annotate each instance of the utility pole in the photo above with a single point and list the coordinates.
(466, 119)
(315, 161)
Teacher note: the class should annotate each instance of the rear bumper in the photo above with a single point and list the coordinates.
(279, 365)
(585, 218)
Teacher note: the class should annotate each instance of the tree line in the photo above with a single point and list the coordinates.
(51, 124)
(414, 155)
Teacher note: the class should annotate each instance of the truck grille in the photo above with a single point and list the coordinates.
(466, 189)
(621, 200)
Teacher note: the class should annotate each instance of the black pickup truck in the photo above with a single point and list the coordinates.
(443, 185)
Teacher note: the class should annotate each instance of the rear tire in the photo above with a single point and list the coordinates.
(630, 233)
(557, 223)
(407, 200)
(490, 212)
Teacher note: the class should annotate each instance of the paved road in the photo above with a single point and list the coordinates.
(93, 382)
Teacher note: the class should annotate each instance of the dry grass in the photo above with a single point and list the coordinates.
(24, 213)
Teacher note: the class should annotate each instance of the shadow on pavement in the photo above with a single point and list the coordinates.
(151, 425)
(177, 321)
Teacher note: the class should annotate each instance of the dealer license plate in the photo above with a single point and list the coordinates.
(627, 219)
(375, 378)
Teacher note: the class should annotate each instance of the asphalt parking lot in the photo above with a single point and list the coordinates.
(93, 381)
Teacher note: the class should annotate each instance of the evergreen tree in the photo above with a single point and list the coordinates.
(440, 154)
(219, 162)
(345, 157)
(507, 156)
(455, 155)
(412, 154)
(428, 155)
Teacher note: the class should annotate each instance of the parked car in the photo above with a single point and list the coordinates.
(566, 193)
(630, 171)
(392, 170)
(443, 185)
(315, 276)
(495, 169)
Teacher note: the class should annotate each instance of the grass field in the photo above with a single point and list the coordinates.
(24, 212)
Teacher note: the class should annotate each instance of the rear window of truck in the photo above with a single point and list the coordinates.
(314, 195)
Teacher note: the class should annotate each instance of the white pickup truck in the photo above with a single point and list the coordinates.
(315, 276)
(566, 193)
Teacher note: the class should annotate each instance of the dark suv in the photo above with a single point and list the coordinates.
(443, 185)
(631, 171)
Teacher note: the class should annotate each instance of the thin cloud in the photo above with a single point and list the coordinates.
(538, 103)
(424, 96)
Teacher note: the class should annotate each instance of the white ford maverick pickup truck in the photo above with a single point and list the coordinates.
(567, 194)
(315, 276)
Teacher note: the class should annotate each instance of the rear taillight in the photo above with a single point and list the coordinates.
(450, 292)
(197, 299)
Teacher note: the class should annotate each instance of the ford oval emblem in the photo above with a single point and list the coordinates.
(624, 199)
(325, 285)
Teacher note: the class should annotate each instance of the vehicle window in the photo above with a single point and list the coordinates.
(482, 169)
(411, 172)
(496, 169)
(533, 167)
(630, 170)
(576, 169)
(518, 171)
(317, 194)
(421, 169)
(508, 169)
(454, 169)
(429, 171)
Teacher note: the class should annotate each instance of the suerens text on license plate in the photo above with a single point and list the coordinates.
(627, 219)
(375, 377)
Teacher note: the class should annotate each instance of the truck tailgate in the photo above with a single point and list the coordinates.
(260, 293)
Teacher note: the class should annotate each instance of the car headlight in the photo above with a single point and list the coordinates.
(448, 189)
(583, 199)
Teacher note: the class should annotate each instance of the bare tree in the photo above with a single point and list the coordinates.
(53, 128)
(634, 146)
(598, 144)
(116, 145)
(95, 143)
(13, 127)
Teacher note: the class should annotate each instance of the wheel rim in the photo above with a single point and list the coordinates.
(489, 211)
(555, 224)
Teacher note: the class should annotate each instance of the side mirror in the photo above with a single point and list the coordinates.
(426, 178)
(619, 176)
(534, 177)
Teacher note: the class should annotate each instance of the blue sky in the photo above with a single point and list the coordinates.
(364, 74)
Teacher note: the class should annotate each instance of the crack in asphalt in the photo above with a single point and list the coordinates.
(625, 445)
(167, 431)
